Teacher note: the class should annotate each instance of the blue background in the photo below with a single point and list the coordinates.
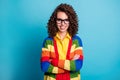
(23, 28)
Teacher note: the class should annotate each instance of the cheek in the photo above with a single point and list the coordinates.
(68, 26)
(58, 25)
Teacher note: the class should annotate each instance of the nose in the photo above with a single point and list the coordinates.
(62, 22)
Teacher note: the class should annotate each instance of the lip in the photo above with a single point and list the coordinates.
(62, 27)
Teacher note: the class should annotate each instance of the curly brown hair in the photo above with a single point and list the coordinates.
(72, 16)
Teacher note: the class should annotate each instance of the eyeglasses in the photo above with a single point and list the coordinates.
(59, 21)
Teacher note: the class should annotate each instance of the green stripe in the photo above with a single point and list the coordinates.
(48, 42)
(50, 75)
(50, 68)
(72, 66)
(76, 43)
(74, 74)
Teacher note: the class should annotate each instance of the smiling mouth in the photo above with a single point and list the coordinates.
(62, 27)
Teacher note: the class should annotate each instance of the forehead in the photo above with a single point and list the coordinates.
(62, 15)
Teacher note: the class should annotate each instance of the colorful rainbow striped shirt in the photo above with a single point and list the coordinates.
(61, 69)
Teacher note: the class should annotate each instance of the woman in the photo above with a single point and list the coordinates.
(62, 56)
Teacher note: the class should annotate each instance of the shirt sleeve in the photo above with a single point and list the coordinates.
(46, 66)
(72, 65)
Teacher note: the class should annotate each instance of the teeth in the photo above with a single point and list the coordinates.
(62, 27)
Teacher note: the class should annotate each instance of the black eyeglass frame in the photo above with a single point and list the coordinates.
(59, 21)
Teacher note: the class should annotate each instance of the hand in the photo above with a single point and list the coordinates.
(50, 60)
(76, 57)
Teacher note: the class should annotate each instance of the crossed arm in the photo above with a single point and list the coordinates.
(46, 65)
(61, 66)
(74, 64)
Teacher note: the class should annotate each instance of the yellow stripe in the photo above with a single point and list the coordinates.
(45, 49)
(45, 77)
(52, 78)
(79, 48)
(76, 78)
(48, 78)
(55, 70)
(79, 78)
(50, 48)
(67, 65)
(72, 48)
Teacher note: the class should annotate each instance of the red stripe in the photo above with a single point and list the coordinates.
(69, 48)
(45, 59)
(64, 76)
(54, 62)
(56, 49)
(81, 57)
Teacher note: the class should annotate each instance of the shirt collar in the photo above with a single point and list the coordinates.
(67, 36)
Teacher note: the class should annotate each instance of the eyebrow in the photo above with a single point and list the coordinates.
(62, 19)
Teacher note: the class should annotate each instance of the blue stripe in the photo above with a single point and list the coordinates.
(78, 64)
(44, 66)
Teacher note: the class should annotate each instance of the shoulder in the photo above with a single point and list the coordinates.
(48, 40)
(78, 39)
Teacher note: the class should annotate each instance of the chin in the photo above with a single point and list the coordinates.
(63, 31)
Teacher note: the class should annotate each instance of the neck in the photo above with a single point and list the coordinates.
(62, 34)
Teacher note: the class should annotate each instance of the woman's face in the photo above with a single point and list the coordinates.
(62, 22)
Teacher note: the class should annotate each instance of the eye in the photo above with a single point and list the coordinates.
(66, 19)
(59, 19)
